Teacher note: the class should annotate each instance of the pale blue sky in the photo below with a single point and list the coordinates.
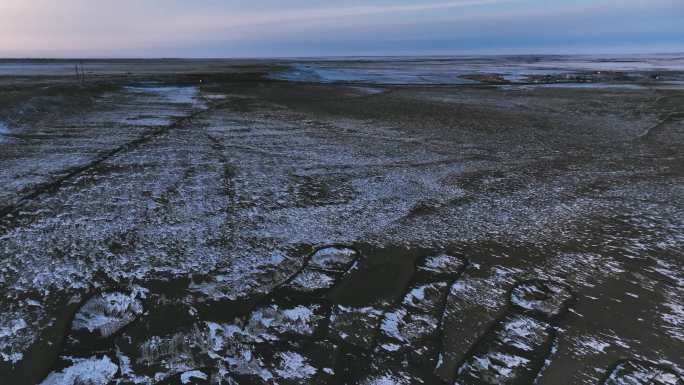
(270, 28)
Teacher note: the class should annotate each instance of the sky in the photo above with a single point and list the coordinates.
(307, 28)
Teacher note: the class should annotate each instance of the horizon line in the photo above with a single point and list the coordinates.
(530, 54)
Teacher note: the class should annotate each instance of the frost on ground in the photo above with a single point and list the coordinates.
(175, 225)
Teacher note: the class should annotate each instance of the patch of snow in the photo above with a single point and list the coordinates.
(334, 258)
(426, 298)
(187, 376)
(107, 313)
(641, 372)
(485, 293)
(12, 357)
(91, 371)
(9, 332)
(31, 302)
(14, 327)
(298, 314)
(387, 379)
(417, 294)
(269, 322)
(524, 333)
(391, 347)
(591, 345)
(127, 371)
(390, 324)
(294, 366)
(442, 264)
(265, 324)
(498, 366)
(311, 280)
(547, 298)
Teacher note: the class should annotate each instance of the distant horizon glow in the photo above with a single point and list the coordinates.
(307, 28)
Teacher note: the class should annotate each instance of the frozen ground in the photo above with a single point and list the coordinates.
(224, 227)
(441, 70)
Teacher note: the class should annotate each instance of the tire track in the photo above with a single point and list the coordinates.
(54, 185)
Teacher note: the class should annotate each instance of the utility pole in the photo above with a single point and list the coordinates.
(83, 74)
(80, 72)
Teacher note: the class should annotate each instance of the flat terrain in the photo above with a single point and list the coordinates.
(231, 222)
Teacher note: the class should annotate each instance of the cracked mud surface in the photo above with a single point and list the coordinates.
(244, 230)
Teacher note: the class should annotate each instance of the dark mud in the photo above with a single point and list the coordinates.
(216, 225)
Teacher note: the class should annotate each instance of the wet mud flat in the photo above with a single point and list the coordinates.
(221, 226)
